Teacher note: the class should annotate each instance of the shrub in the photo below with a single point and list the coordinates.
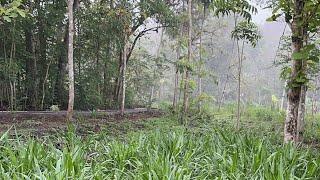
(260, 113)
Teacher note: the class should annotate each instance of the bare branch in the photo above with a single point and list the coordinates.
(140, 34)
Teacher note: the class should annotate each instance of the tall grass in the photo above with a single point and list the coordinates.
(158, 154)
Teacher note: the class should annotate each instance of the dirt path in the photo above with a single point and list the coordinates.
(46, 122)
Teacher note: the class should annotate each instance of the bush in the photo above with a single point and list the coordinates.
(260, 113)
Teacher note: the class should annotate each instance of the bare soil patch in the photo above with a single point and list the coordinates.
(42, 123)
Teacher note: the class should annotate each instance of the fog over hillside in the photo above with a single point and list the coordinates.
(261, 76)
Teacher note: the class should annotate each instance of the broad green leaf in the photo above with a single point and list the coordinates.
(21, 13)
(299, 55)
(6, 18)
(13, 15)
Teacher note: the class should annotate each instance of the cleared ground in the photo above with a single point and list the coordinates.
(45, 122)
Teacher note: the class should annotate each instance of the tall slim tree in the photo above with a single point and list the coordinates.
(248, 33)
(123, 72)
(70, 60)
(186, 83)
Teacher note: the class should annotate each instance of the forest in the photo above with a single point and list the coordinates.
(160, 89)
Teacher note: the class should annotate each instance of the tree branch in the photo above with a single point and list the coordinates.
(140, 34)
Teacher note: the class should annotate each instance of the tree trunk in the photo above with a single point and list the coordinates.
(60, 91)
(175, 93)
(105, 76)
(301, 113)
(302, 104)
(70, 60)
(313, 106)
(294, 92)
(200, 64)
(44, 86)
(283, 96)
(117, 89)
(186, 84)
(98, 69)
(42, 51)
(160, 90)
(12, 72)
(123, 75)
(154, 73)
(240, 58)
(151, 98)
(31, 71)
(223, 93)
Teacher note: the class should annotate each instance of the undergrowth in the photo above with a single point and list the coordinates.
(162, 149)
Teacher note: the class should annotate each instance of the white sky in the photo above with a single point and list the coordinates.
(262, 15)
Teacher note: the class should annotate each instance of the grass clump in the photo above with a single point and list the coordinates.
(208, 152)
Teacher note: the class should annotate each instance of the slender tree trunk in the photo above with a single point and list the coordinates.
(175, 93)
(31, 72)
(283, 96)
(302, 104)
(176, 79)
(98, 69)
(151, 98)
(12, 71)
(11, 96)
(240, 58)
(123, 75)
(105, 75)
(70, 60)
(44, 85)
(223, 93)
(154, 72)
(60, 91)
(186, 84)
(239, 77)
(160, 90)
(313, 106)
(294, 92)
(301, 113)
(42, 50)
(119, 79)
(200, 64)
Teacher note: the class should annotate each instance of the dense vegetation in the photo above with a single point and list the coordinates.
(220, 79)
(34, 54)
(162, 149)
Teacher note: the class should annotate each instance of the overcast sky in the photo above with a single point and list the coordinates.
(262, 15)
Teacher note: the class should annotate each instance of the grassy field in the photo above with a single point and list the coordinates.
(160, 148)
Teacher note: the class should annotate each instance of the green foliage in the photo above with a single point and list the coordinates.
(255, 114)
(309, 54)
(307, 20)
(304, 53)
(54, 108)
(283, 55)
(159, 10)
(229, 7)
(11, 10)
(200, 109)
(247, 31)
(145, 72)
(263, 114)
(178, 154)
(274, 99)
(164, 105)
(34, 50)
(310, 12)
